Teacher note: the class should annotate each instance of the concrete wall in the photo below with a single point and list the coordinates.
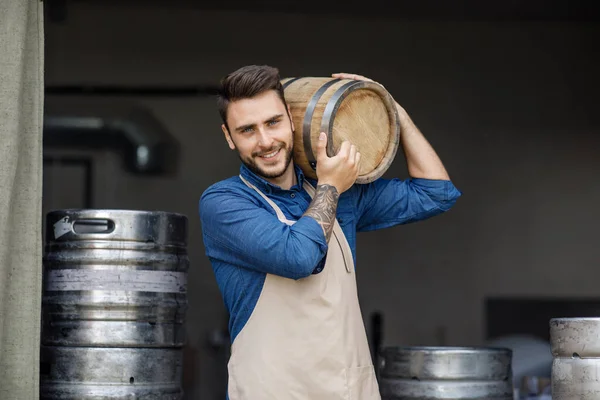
(510, 108)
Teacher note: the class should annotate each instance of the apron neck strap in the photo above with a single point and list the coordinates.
(278, 211)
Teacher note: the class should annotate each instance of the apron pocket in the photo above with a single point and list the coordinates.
(362, 383)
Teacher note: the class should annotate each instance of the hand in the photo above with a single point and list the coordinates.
(340, 170)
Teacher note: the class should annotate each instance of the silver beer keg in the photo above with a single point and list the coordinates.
(576, 358)
(445, 373)
(113, 306)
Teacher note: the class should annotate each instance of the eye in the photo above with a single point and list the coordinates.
(246, 130)
(273, 122)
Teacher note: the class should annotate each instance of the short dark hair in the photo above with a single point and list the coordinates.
(247, 82)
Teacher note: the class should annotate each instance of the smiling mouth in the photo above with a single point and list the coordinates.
(271, 154)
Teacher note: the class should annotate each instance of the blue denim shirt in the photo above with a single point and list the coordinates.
(244, 240)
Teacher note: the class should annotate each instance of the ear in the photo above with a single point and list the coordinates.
(228, 137)
(290, 115)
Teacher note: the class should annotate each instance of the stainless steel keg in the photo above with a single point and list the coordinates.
(114, 304)
(576, 364)
(448, 373)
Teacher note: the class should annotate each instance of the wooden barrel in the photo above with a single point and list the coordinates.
(360, 112)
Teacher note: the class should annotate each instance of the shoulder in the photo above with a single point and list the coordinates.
(229, 185)
(221, 191)
(226, 195)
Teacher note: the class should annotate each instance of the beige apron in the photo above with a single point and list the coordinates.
(305, 338)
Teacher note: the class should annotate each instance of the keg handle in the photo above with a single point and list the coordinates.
(83, 227)
(93, 225)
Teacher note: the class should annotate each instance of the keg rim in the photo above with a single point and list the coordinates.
(575, 319)
(117, 225)
(113, 210)
(448, 349)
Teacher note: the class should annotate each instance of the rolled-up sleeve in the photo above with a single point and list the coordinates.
(238, 231)
(389, 202)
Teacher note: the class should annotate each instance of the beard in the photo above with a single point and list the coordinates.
(252, 165)
(272, 173)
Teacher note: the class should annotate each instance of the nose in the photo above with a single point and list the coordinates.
(264, 139)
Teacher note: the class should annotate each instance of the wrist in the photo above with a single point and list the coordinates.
(402, 114)
(325, 183)
(407, 126)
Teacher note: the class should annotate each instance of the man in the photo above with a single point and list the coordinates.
(282, 246)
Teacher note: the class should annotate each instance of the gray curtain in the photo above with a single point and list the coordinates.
(21, 116)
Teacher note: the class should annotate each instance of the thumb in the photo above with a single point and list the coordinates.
(322, 146)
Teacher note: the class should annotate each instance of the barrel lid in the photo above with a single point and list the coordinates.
(375, 129)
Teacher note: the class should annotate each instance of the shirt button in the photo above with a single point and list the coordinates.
(292, 195)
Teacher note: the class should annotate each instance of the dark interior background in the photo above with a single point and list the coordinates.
(507, 93)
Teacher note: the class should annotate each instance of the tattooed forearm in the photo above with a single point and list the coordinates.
(323, 208)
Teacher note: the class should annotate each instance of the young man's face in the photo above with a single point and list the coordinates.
(262, 133)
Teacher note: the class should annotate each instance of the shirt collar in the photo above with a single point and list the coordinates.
(265, 186)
